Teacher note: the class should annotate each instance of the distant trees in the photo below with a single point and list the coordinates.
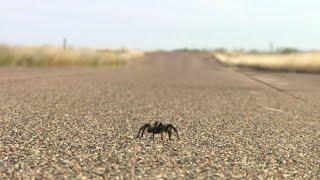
(287, 50)
(282, 50)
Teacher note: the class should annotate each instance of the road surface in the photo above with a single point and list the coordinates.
(233, 123)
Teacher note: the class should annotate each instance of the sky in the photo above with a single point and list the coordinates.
(162, 24)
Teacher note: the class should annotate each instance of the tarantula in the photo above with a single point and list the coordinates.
(157, 128)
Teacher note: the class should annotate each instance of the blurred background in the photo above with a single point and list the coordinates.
(166, 24)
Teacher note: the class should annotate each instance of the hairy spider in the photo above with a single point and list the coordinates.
(157, 128)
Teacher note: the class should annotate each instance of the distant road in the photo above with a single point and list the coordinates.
(233, 123)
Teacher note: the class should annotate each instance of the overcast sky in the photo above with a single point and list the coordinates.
(162, 24)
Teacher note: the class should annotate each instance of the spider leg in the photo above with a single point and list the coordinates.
(169, 133)
(148, 126)
(161, 129)
(142, 130)
(171, 126)
(168, 130)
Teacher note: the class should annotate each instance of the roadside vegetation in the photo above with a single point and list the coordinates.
(286, 59)
(50, 56)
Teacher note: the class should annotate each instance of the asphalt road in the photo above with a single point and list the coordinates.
(233, 123)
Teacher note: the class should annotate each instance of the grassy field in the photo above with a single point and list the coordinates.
(50, 56)
(299, 62)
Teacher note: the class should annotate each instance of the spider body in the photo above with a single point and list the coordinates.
(158, 128)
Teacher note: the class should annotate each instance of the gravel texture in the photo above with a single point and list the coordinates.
(82, 122)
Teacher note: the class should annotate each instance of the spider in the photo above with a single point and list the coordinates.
(157, 128)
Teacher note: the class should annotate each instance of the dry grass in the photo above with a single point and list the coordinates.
(301, 62)
(50, 56)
